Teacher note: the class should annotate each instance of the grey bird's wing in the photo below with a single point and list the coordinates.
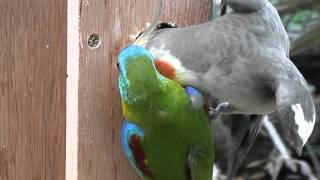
(296, 110)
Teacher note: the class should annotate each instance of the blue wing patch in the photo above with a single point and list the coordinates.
(128, 131)
(195, 96)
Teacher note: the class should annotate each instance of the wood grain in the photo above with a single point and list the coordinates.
(100, 155)
(32, 89)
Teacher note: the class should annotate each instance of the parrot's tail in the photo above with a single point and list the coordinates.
(146, 35)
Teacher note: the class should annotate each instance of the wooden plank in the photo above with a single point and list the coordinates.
(72, 90)
(32, 89)
(100, 155)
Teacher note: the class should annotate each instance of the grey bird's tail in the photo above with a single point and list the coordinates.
(148, 34)
(234, 136)
(244, 133)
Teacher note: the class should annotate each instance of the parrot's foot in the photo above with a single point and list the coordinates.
(222, 108)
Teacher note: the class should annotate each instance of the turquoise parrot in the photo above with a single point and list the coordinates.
(166, 134)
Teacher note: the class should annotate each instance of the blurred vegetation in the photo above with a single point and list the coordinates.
(301, 18)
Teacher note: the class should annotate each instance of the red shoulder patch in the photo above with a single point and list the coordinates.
(165, 68)
(139, 156)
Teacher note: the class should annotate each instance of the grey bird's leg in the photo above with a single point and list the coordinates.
(222, 108)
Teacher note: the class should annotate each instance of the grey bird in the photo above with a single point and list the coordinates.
(241, 61)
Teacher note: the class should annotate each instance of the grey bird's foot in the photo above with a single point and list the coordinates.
(222, 108)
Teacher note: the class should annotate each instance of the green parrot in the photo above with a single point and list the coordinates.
(166, 133)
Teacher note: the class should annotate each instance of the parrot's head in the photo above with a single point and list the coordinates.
(137, 73)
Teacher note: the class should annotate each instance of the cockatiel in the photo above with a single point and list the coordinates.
(241, 59)
(166, 133)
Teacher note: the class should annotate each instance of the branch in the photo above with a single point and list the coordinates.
(293, 6)
(314, 159)
(307, 40)
(275, 137)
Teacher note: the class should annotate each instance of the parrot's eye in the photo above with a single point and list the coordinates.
(118, 65)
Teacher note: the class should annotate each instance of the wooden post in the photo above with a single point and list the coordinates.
(33, 57)
(100, 116)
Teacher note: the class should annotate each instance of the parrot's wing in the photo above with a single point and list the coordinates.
(246, 6)
(196, 156)
(131, 139)
(296, 110)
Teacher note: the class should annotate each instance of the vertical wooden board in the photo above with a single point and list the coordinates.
(100, 116)
(32, 89)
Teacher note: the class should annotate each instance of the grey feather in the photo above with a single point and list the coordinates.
(234, 136)
(148, 34)
(244, 137)
(246, 6)
(290, 93)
